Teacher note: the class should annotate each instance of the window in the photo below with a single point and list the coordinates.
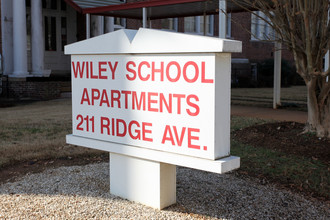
(209, 22)
(50, 33)
(170, 24)
(196, 24)
(63, 32)
(119, 23)
(254, 72)
(28, 31)
(49, 4)
(189, 24)
(63, 5)
(260, 29)
(55, 24)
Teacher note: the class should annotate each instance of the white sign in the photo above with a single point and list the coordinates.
(160, 102)
(155, 95)
(154, 100)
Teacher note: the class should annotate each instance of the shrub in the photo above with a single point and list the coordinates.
(266, 74)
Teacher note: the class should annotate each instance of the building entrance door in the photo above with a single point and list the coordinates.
(59, 29)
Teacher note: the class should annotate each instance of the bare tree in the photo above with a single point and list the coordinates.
(303, 27)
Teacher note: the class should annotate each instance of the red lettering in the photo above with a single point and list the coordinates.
(168, 138)
(179, 140)
(104, 98)
(102, 70)
(126, 93)
(146, 131)
(105, 123)
(91, 68)
(113, 126)
(115, 98)
(95, 95)
(81, 119)
(196, 72)
(137, 132)
(128, 64)
(154, 70)
(203, 75)
(152, 101)
(193, 105)
(162, 102)
(85, 97)
(140, 102)
(124, 128)
(87, 70)
(144, 63)
(191, 137)
(77, 69)
(179, 97)
(178, 74)
(113, 69)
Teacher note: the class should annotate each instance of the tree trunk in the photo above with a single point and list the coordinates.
(318, 112)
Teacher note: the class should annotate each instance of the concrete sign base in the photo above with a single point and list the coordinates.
(148, 182)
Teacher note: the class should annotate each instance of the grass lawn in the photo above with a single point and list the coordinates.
(37, 131)
(294, 96)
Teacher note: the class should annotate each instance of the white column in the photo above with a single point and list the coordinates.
(88, 26)
(96, 25)
(176, 24)
(19, 39)
(144, 17)
(7, 36)
(109, 24)
(204, 24)
(101, 24)
(198, 24)
(277, 75)
(211, 25)
(37, 40)
(222, 18)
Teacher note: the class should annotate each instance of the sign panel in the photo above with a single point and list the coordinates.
(161, 102)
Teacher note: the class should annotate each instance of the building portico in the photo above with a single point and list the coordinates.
(33, 37)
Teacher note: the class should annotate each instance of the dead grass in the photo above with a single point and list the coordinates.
(293, 93)
(37, 131)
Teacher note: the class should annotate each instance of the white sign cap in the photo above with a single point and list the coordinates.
(144, 40)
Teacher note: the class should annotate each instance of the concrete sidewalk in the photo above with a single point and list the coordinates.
(269, 113)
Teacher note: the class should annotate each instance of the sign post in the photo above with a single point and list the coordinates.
(154, 100)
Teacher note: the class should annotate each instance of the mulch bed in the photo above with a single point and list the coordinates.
(285, 137)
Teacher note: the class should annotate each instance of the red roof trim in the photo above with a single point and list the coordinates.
(135, 5)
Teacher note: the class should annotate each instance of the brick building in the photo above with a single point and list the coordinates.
(32, 46)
